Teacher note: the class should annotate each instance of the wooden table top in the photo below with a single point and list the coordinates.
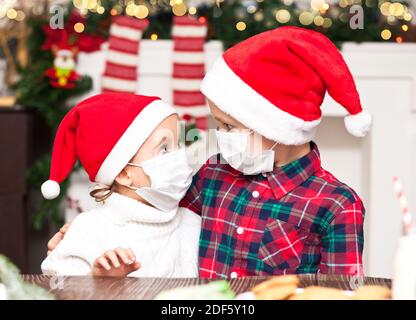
(85, 287)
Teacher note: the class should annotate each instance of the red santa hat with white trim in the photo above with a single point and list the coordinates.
(104, 132)
(275, 82)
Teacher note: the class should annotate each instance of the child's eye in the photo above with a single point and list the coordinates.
(164, 149)
(229, 127)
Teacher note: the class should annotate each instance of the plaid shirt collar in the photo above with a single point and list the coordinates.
(284, 179)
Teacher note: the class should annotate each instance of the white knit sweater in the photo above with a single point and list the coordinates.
(165, 243)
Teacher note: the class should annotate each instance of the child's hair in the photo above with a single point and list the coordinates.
(101, 192)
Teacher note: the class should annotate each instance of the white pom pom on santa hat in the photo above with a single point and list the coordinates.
(50, 189)
(358, 124)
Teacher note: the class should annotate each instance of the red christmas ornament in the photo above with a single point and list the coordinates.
(62, 74)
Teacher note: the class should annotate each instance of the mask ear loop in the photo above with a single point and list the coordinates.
(134, 164)
(272, 148)
(275, 144)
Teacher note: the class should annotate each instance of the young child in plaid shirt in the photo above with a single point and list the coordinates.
(276, 210)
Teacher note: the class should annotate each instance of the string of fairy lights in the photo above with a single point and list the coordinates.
(12, 13)
(393, 12)
(319, 13)
(138, 9)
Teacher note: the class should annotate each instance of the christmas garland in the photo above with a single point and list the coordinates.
(229, 21)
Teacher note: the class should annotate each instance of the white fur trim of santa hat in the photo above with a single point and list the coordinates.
(132, 139)
(233, 96)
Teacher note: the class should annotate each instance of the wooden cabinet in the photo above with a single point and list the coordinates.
(15, 138)
(22, 137)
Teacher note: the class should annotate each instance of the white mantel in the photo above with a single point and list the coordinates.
(386, 80)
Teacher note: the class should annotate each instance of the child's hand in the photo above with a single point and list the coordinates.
(54, 241)
(115, 263)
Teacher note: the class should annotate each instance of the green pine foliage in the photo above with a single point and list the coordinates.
(16, 288)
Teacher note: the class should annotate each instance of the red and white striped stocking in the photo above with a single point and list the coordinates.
(122, 59)
(189, 36)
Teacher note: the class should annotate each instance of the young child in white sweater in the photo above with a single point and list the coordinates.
(129, 145)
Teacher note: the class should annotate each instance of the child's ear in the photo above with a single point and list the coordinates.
(123, 178)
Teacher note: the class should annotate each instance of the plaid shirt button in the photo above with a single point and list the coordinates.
(234, 274)
(255, 194)
(240, 230)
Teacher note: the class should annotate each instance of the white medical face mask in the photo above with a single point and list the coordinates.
(170, 177)
(234, 149)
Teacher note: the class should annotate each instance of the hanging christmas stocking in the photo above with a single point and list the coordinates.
(122, 59)
(189, 36)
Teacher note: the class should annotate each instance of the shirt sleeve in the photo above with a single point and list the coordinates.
(193, 197)
(343, 241)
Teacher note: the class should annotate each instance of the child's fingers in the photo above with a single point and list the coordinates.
(111, 256)
(131, 254)
(123, 255)
(136, 265)
(133, 267)
(64, 228)
(102, 262)
(53, 242)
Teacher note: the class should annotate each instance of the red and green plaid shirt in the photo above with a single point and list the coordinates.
(297, 219)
